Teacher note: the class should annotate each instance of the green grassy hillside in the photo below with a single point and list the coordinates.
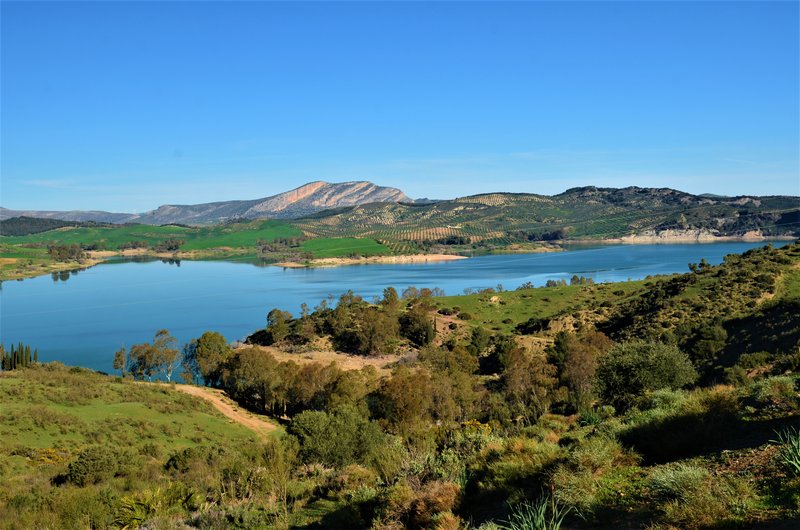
(234, 235)
(344, 246)
(51, 415)
(493, 407)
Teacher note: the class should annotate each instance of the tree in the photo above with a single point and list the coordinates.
(149, 359)
(337, 439)
(580, 366)
(416, 326)
(278, 325)
(391, 301)
(205, 356)
(404, 400)
(529, 384)
(632, 369)
(167, 354)
(120, 359)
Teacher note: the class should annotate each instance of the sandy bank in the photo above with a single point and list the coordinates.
(338, 262)
(650, 237)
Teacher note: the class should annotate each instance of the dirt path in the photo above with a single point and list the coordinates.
(230, 409)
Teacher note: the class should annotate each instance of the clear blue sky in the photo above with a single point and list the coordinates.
(126, 106)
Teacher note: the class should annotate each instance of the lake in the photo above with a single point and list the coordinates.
(84, 317)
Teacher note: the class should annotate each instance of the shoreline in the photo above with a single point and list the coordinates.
(373, 260)
(101, 256)
(676, 240)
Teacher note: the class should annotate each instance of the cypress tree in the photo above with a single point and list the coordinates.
(36, 356)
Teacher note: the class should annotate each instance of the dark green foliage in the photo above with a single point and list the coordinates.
(416, 326)
(93, 464)
(147, 360)
(720, 312)
(17, 357)
(630, 370)
(66, 252)
(169, 245)
(337, 439)
(23, 226)
(205, 357)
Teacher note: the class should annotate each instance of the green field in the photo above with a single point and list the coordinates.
(503, 311)
(196, 238)
(335, 247)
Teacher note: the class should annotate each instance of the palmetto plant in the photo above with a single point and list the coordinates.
(789, 452)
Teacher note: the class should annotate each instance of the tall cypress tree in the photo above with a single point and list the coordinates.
(36, 356)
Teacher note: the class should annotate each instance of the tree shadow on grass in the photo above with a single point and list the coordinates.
(690, 435)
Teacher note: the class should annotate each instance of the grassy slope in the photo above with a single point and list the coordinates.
(234, 235)
(50, 413)
(505, 310)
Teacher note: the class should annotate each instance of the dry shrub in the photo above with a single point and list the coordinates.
(435, 498)
(350, 479)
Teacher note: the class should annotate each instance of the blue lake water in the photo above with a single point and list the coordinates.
(83, 318)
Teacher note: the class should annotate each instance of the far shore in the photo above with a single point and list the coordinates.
(668, 239)
(339, 262)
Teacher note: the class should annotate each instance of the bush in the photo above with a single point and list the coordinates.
(776, 393)
(789, 452)
(631, 370)
(543, 514)
(92, 465)
(680, 482)
(338, 439)
(691, 497)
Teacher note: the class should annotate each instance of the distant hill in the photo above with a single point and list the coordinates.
(363, 209)
(307, 199)
(658, 214)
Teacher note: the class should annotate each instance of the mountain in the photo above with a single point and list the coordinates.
(97, 216)
(307, 199)
(660, 214)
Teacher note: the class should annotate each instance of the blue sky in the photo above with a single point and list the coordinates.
(126, 106)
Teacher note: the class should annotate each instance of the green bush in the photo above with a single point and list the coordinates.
(92, 465)
(543, 514)
(789, 452)
(680, 482)
(337, 439)
(776, 393)
(630, 370)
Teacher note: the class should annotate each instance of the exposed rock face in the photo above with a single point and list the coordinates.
(307, 199)
(317, 196)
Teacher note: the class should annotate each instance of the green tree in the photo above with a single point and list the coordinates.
(416, 326)
(121, 359)
(631, 370)
(278, 325)
(205, 356)
(337, 439)
(167, 353)
(529, 384)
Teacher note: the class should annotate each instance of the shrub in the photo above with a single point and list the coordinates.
(680, 482)
(789, 452)
(691, 497)
(92, 465)
(336, 439)
(776, 392)
(543, 514)
(630, 370)
(435, 498)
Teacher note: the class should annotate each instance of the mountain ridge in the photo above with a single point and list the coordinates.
(306, 199)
